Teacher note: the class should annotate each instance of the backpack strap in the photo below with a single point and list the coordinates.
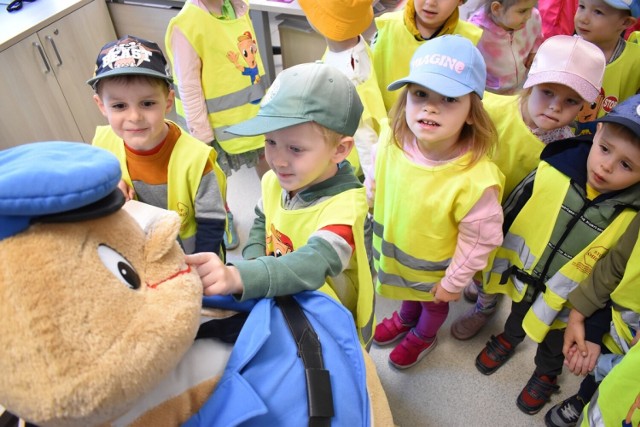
(319, 395)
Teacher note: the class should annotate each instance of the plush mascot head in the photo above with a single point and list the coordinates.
(95, 310)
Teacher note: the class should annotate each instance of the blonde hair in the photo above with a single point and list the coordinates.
(330, 137)
(481, 136)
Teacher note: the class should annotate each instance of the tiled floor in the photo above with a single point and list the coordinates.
(445, 388)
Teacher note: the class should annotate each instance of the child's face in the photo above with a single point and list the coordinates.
(551, 106)
(136, 111)
(431, 14)
(436, 120)
(300, 156)
(599, 23)
(514, 17)
(613, 163)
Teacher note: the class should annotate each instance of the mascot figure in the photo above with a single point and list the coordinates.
(104, 324)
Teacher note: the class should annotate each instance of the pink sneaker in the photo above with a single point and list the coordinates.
(391, 330)
(410, 351)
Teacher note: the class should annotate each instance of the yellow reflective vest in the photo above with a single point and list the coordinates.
(287, 230)
(525, 243)
(231, 95)
(614, 401)
(395, 45)
(620, 81)
(518, 150)
(417, 210)
(626, 306)
(188, 160)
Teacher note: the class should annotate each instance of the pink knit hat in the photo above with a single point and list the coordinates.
(570, 61)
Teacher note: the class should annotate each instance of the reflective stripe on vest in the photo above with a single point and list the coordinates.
(543, 314)
(412, 249)
(186, 164)
(232, 95)
(290, 229)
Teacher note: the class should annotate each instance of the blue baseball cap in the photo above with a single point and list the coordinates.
(56, 182)
(450, 65)
(626, 113)
(632, 6)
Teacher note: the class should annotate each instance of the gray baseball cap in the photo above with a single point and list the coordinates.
(312, 92)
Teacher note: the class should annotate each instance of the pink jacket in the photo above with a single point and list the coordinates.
(507, 53)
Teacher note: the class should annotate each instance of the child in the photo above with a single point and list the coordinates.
(219, 78)
(308, 233)
(602, 22)
(563, 217)
(401, 32)
(613, 278)
(342, 23)
(161, 164)
(510, 38)
(565, 72)
(437, 212)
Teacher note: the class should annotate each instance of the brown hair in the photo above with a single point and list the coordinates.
(481, 136)
(622, 132)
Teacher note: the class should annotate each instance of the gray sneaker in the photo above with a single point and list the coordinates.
(469, 324)
(565, 413)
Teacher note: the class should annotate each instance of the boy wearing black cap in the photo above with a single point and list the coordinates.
(309, 229)
(162, 165)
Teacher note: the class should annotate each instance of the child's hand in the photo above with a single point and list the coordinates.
(217, 278)
(574, 334)
(443, 295)
(129, 192)
(581, 365)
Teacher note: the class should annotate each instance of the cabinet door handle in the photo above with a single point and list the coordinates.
(55, 49)
(44, 58)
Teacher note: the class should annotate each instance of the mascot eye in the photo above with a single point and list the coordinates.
(119, 266)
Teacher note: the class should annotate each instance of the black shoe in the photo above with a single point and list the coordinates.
(566, 413)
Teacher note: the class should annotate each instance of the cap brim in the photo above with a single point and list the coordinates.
(628, 123)
(129, 71)
(437, 83)
(586, 90)
(263, 124)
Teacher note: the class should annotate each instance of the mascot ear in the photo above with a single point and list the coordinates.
(161, 236)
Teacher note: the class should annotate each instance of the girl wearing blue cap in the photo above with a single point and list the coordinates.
(437, 214)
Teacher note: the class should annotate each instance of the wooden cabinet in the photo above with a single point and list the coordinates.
(42, 79)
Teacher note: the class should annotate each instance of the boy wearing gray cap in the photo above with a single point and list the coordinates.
(309, 230)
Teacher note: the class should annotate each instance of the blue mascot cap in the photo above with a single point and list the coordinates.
(56, 182)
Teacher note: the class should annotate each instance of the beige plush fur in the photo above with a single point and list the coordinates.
(81, 347)
(80, 342)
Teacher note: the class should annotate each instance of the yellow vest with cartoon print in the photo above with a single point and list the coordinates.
(188, 160)
(231, 95)
(614, 401)
(621, 80)
(525, 243)
(288, 230)
(395, 46)
(625, 309)
(518, 150)
(373, 110)
(417, 210)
